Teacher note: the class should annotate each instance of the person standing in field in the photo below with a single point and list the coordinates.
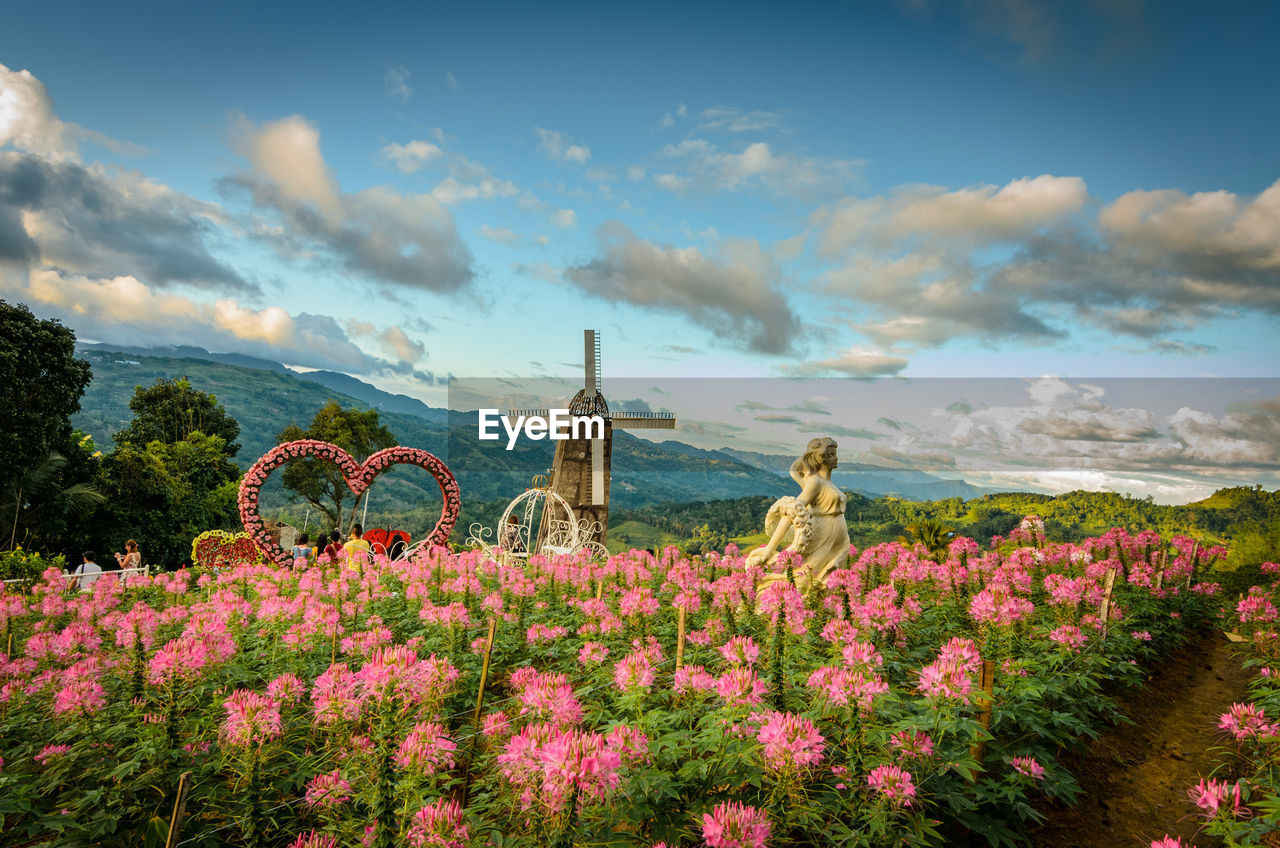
(302, 550)
(334, 548)
(356, 544)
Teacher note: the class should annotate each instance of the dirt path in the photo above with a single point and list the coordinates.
(1135, 777)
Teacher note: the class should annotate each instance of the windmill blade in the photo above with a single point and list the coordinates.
(597, 472)
(591, 367)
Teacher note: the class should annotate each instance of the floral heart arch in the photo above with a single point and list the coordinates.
(358, 478)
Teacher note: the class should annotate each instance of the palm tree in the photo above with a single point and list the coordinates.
(38, 487)
(930, 532)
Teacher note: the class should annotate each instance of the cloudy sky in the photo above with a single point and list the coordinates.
(891, 188)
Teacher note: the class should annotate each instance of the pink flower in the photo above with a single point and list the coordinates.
(790, 742)
(327, 790)
(893, 783)
(426, 750)
(694, 678)
(287, 689)
(942, 679)
(81, 692)
(438, 825)
(1028, 767)
(734, 825)
(592, 652)
(252, 719)
(1169, 842)
(311, 839)
(1141, 635)
(1211, 795)
(912, 744)
(334, 696)
(49, 752)
(996, 605)
(495, 724)
(740, 650)
(1248, 720)
(1069, 636)
(739, 687)
(634, 673)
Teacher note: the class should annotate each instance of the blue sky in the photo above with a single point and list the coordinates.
(909, 188)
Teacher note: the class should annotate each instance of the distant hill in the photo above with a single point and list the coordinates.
(870, 479)
(266, 399)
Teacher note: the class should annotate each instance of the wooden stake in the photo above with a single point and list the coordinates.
(1164, 560)
(179, 810)
(985, 701)
(475, 720)
(484, 672)
(599, 589)
(1104, 610)
(680, 639)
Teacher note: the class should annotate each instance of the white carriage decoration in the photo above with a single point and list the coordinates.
(558, 532)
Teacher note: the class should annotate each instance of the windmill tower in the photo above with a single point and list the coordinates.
(581, 469)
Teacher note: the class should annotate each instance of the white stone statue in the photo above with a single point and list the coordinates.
(815, 518)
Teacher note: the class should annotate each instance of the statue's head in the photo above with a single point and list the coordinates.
(819, 453)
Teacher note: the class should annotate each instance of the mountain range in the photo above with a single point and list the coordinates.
(266, 396)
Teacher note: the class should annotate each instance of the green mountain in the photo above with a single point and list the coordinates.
(266, 399)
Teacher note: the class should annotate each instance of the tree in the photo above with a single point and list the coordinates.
(45, 495)
(171, 410)
(41, 382)
(321, 484)
(164, 495)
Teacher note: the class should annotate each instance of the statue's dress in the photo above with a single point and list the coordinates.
(821, 533)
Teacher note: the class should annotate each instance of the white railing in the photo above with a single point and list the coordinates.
(145, 571)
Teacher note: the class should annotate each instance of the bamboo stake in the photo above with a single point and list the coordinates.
(484, 671)
(179, 810)
(475, 720)
(1104, 610)
(985, 701)
(680, 639)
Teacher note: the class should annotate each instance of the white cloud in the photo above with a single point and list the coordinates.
(635, 173)
(451, 81)
(981, 214)
(854, 362)
(27, 119)
(735, 294)
(410, 158)
(564, 218)
(560, 147)
(702, 165)
(502, 235)
(125, 310)
(730, 119)
(397, 82)
(404, 239)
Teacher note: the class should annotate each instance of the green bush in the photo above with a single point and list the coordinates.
(18, 563)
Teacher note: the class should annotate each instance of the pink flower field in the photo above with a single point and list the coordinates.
(917, 699)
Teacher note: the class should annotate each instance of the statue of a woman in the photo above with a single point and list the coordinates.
(821, 534)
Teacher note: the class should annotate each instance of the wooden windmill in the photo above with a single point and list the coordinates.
(581, 469)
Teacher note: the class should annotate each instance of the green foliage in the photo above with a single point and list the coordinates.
(18, 563)
(41, 382)
(166, 494)
(40, 504)
(171, 410)
(321, 484)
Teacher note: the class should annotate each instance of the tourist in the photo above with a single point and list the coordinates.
(132, 559)
(302, 550)
(356, 544)
(88, 572)
(333, 550)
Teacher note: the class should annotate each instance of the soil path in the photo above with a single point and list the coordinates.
(1135, 777)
